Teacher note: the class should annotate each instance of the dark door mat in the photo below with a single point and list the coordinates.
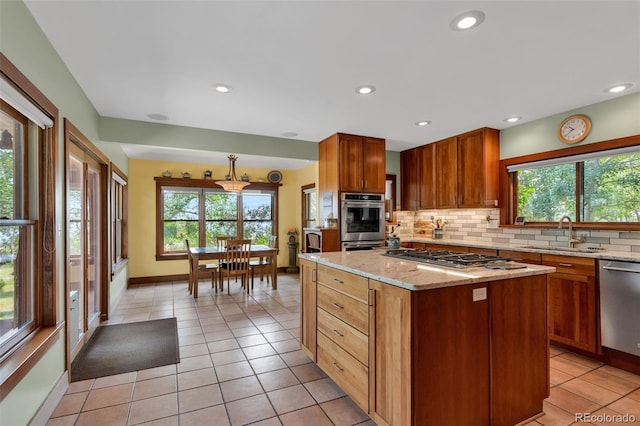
(122, 348)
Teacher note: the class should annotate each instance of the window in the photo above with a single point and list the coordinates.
(199, 213)
(119, 218)
(16, 233)
(598, 187)
(309, 195)
(29, 321)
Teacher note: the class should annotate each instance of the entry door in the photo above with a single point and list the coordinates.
(84, 245)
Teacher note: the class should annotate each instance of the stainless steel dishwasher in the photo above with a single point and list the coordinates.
(620, 305)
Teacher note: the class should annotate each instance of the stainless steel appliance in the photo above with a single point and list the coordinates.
(454, 259)
(362, 245)
(362, 219)
(620, 305)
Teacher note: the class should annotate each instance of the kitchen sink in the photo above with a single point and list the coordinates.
(569, 249)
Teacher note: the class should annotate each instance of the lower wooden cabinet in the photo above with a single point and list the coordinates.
(573, 318)
(472, 354)
(308, 303)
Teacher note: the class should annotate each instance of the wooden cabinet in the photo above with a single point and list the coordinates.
(446, 158)
(573, 318)
(522, 256)
(417, 171)
(308, 303)
(410, 180)
(391, 357)
(478, 158)
(352, 163)
(458, 172)
(317, 240)
(343, 330)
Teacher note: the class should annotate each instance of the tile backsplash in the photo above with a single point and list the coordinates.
(481, 226)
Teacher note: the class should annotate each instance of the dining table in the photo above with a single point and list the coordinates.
(196, 254)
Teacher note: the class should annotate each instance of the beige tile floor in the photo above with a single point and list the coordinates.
(241, 363)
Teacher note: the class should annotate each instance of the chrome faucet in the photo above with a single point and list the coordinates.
(571, 239)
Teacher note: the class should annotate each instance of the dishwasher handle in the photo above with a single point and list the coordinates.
(615, 268)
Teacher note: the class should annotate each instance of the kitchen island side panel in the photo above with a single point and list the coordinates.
(519, 349)
(451, 356)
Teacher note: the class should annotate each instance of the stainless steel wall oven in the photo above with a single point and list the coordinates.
(362, 219)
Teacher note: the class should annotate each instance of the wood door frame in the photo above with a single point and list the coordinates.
(74, 137)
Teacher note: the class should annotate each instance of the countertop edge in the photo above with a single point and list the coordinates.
(603, 254)
(530, 270)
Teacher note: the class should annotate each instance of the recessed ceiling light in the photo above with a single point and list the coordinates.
(289, 134)
(618, 88)
(512, 119)
(423, 123)
(223, 88)
(367, 89)
(468, 20)
(159, 117)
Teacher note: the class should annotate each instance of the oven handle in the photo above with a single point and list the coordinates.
(614, 268)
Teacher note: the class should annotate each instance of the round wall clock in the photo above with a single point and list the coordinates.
(574, 128)
(274, 176)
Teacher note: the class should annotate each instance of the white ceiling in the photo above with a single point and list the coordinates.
(294, 65)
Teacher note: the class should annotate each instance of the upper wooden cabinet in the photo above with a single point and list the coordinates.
(352, 163)
(461, 171)
(478, 158)
(418, 176)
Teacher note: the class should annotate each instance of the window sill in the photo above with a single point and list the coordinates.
(172, 256)
(17, 363)
(116, 268)
(591, 226)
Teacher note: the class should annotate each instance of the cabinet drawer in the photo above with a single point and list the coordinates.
(344, 282)
(345, 370)
(571, 264)
(521, 256)
(347, 337)
(349, 310)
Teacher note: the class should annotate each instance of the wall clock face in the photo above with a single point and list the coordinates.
(574, 129)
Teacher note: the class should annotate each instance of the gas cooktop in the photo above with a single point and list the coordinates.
(454, 259)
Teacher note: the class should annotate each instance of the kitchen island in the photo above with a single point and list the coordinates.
(419, 344)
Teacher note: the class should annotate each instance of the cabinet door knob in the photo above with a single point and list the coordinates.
(335, 305)
(337, 333)
(337, 367)
(338, 281)
(566, 265)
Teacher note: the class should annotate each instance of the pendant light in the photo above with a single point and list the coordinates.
(232, 184)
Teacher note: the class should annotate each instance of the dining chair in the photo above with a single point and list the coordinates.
(264, 265)
(209, 267)
(235, 262)
(221, 243)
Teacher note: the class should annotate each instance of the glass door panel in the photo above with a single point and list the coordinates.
(93, 254)
(75, 247)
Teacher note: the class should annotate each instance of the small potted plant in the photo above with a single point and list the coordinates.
(393, 240)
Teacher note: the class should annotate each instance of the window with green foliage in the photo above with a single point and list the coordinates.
(201, 214)
(594, 188)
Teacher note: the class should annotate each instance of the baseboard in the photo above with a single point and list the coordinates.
(45, 411)
(157, 279)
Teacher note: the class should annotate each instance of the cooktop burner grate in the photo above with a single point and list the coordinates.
(448, 258)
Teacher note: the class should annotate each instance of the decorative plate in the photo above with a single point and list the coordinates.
(274, 176)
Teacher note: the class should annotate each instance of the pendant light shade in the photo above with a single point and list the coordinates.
(232, 184)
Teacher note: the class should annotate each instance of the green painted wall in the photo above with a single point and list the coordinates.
(165, 135)
(612, 119)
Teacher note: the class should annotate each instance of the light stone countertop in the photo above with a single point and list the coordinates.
(414, 275)
(597, 254)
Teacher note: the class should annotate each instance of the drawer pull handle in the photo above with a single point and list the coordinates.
(335, 305)
(566, 265)
(337, 333)
(338, 281)
(337, 367)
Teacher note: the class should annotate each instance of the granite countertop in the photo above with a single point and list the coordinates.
(413, 275)
(581, 252)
